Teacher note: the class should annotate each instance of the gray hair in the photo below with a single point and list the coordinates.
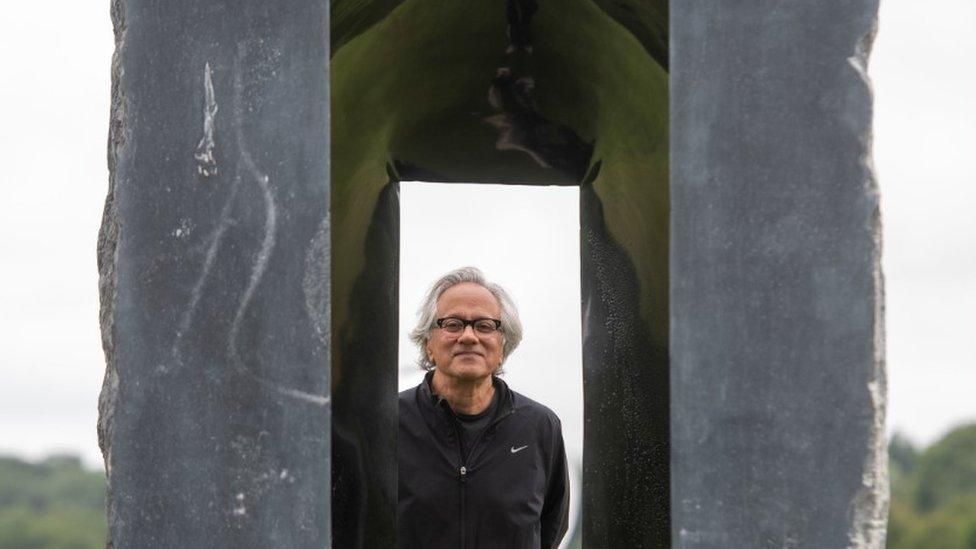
(427, 313)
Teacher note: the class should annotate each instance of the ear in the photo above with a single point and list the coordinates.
(430, 354)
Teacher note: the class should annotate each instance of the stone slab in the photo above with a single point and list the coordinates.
(777, 368)
(214, 274)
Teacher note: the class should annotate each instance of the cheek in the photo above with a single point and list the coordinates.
(496, 350)
(438, 346)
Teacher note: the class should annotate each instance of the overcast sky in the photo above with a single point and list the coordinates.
(924, 145)
(54, 96)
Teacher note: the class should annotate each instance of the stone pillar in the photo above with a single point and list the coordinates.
(777, 356)
(214, 276)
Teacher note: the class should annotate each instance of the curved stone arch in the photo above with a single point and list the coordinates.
(448, 95)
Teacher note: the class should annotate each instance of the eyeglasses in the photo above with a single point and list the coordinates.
(482, 326)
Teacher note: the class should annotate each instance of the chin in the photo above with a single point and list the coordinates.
(470, 371)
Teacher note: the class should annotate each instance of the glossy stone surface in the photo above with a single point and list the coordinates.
(549, 93)
(214, 274)
(777, 387)
(625, 389)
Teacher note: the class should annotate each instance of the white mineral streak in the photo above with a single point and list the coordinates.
(212, 247)
(239, 509)
(270, 213)
(318, 400)
(267, 246)
(206, 163)
(261, 260)
(206, 166)
(315, 282)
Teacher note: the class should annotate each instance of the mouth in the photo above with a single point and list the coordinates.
(467, 353)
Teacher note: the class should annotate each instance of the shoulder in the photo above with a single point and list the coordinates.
(410, 413)
(535, 411)
(408, 394)
(408, 399)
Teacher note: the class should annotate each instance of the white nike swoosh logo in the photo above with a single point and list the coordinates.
(519, 449)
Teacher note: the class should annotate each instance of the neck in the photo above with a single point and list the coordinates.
(466, 396)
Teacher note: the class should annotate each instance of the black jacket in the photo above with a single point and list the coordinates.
(510, 492)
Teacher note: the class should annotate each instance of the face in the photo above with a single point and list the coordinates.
(467, 355)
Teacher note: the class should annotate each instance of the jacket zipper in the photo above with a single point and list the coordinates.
(481, 436)
(462, 480)
(463, 468)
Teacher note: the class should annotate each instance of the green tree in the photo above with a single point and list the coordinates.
(933, 492)
(945, 470)
(902, 453)
(902, 458)
(950, 526)
(54, 504)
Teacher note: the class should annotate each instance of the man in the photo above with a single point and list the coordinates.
(480, 466)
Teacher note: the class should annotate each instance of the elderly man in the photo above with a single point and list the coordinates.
(481, 466)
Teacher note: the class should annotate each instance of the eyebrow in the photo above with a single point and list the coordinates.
(458, 315)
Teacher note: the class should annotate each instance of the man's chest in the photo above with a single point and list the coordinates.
(506, 467)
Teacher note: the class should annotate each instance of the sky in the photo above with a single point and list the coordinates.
(54, 100)
(924, 143)
(54, 107)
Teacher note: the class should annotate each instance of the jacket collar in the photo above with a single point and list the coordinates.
(432, 402)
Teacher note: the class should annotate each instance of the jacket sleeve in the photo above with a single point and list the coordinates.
(555, 510)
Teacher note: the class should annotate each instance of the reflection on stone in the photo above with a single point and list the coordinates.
(523, 129)
(519, 14)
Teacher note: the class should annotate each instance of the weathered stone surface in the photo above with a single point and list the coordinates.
(778, 388)
(214, 264)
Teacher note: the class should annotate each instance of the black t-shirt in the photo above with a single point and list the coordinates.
(471, 425)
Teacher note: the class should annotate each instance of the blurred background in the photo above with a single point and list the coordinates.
(54, 98)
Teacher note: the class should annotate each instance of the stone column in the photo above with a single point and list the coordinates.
(777, 354)
(214, 276)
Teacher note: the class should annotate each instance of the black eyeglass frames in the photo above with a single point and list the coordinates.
(455, 325)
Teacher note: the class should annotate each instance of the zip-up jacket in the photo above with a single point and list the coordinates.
(511, 490)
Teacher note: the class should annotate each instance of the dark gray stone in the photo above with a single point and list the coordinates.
(214, 276)
(778, 387)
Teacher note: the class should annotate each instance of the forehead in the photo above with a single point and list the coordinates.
(468, 299)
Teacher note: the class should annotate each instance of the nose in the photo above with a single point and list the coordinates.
(468, 335)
